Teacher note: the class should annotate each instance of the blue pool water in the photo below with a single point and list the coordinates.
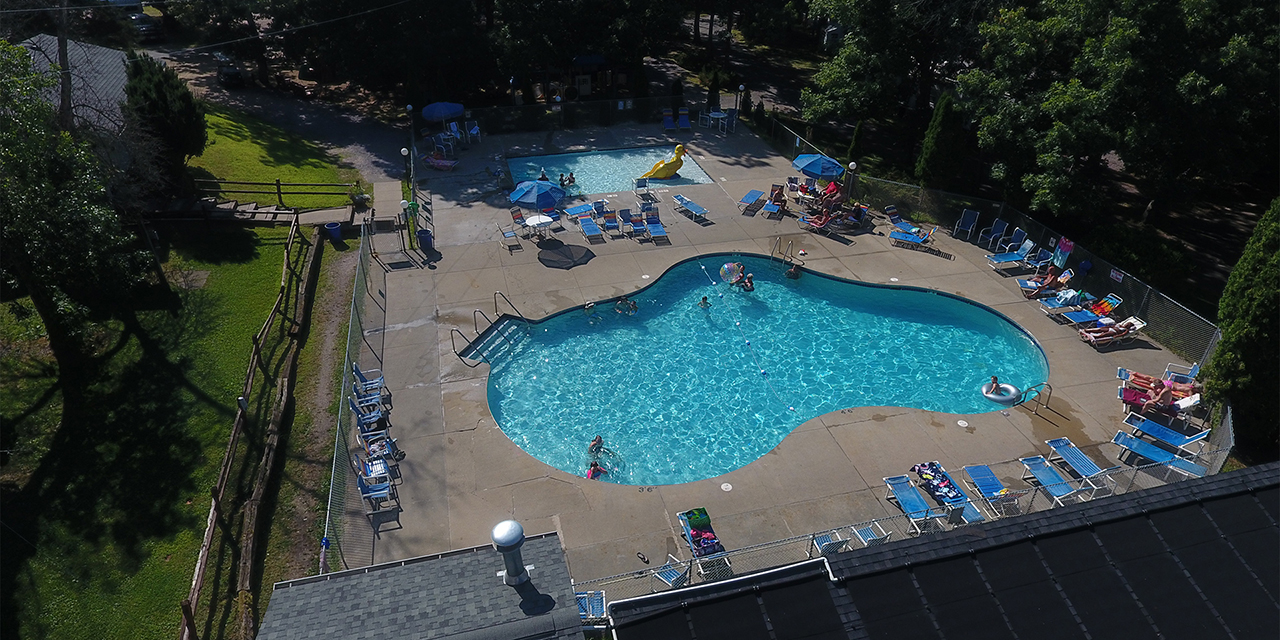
(677, 391)
(606, 171)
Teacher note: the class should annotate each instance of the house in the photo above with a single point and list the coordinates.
(98, 78)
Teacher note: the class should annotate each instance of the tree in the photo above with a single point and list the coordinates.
(59, 242)
(1244, 369)
(159, 103)
(891, 52)
(942, 152)
(1174, 89)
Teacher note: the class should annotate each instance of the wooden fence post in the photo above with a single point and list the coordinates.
(189, 620)
(279, 194)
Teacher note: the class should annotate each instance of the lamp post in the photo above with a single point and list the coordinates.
(852, 182)
(413, 146)
(738, 98)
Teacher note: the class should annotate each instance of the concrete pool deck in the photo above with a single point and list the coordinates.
(462, 475)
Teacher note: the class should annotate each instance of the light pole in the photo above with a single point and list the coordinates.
(413, 146)
(737, 99)
(852, 180)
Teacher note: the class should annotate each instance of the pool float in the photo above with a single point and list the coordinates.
(667, 168)
(1005, 394)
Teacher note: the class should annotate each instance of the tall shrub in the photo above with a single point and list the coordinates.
(677, 94)
(1244, 369)
(943, 148)
(161, 104)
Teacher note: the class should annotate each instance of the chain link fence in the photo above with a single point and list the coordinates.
(777, 553)
(347, 541)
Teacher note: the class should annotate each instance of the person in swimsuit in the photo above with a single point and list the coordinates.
(596, 446)
(705, 304)
(595, 471)
(1162, 398)
(748, 283)
(794, 272)
(572, 180)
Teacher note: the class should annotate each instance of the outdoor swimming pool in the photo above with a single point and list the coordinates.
(606, 171)
(681, 393)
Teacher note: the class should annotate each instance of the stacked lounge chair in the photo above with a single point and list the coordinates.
(709, 555)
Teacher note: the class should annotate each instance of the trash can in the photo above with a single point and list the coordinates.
(424, 239)
(334, 230)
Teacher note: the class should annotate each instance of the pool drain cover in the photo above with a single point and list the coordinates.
(963, 423)
(726, 487)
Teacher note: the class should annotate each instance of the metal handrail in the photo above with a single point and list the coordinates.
(1042, 388)
(528, 326)
(454, 344)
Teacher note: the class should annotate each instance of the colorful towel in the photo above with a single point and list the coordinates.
(936, 483)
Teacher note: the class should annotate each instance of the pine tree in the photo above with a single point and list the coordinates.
(159, 103)
(943, 149)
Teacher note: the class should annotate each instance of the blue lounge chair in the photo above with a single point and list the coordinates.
(683, 121)
(828, 543)
(1178, 373)
(904, 492)
(968, 220)
(708, 553)
(1164, 433)
(992, 234)
(1041, 258)
(668, 121)
(590, 230)
(1014, 240)
(870, 534)
(362, 399)
(695, 210)
(1084, 466)
(902, 225)
(675, 573)
(1155, 454)
(364, 381)
(1063, 278)
(590, 604)
(770, 208)
(901, 239)
(610, 223)
(1054, 305)
(1098, 311)
(890, 210)
(654, 228)
(998, 260)
(364, 418)
(635, 224)
(999, 499)
(751, 198)
(374, 470)
(1050, 480)
(640, 187)
(576, 212)
(375, 493)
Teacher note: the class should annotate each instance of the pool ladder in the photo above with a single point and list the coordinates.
(786, 255)
(1044, 389)
(475, 325)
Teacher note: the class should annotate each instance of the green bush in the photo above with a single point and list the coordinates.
(942, 152)
(1243, 369)
(677, 94)
(745, 109)
(852, 153)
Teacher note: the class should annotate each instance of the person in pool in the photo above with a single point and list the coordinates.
(625, 305)
(705, 304)
(563, 181)
(572, 180)
(544, 177)
(596, 446)
(749, 283)
(595, 471)
(794, 272)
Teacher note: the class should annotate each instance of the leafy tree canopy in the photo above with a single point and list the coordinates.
(1246, 365)
(58, 240)
(158, 101)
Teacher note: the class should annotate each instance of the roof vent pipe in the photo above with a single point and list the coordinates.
(508, 537)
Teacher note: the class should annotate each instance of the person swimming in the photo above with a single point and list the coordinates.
(625, 305)
(794, 272)
(705, 304)
(596, 446)
(749, 283)
(595, 471)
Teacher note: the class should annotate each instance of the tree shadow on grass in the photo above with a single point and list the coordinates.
(280, 147)
(114, 478)
(212, 243)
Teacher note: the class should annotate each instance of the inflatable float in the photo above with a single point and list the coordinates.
(667, 168)
(1003, 393)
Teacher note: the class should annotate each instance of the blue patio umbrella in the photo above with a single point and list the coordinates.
(817, 166)
(537, 194)
(441, 111)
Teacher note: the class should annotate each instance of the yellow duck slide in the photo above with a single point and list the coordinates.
(666, 168)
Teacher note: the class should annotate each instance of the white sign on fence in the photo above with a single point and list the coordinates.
(1117, 275)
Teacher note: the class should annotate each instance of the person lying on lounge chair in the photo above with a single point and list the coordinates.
(833, 201)
(1108, 331)
(1145, 381)
(1045, 282)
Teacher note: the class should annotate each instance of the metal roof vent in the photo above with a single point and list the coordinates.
(508, 537)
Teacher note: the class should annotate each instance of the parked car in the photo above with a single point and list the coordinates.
(229, 72)
(146, 28)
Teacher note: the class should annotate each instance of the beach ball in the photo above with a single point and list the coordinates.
(730, 271)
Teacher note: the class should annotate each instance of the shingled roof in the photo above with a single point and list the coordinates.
(454, 595)
(1194, 559)
(98, 79)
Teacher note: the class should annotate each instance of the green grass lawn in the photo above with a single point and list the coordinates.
(245, 149)
(103, 520)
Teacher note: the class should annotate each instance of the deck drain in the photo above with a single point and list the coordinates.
(963, 423)
(893, 279)
(726, 487)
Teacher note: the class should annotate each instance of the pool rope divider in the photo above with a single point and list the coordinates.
(737, 323)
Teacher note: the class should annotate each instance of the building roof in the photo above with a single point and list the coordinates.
(1193, 559)
(98, 79)
(455, 595)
